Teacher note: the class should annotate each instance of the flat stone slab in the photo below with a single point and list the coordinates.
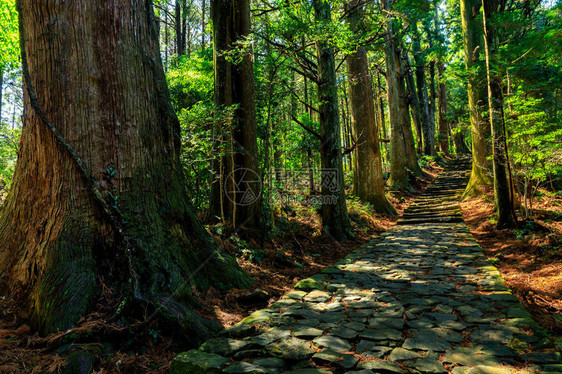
(470, 357)
(197, 362)
(291, 349)
(333, 343)
(380, 367)
(421, 298)
(427, 340)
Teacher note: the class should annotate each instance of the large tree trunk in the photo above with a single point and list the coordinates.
(118, 146)
(398, 176)
(443, 134)
(334, 210)
(234, 84)
(422, 93)
(405, 123)
(367, 173)
(476, 90)
(502, 186)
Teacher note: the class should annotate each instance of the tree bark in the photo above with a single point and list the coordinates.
(203, 24)
(443, 134)
(398, 176)
(502, 185)
(405, 123)
(414, 103)
(382, 123)
(179, 39)
(476, 90)
(367, 174)
(422, 93)
(241, 202)
(431, 106)
(335, 219)
(90, 140)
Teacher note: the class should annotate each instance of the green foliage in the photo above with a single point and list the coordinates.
(191, 85)
(191, 81)
(9, 35)
(9, 139)
(527, 228)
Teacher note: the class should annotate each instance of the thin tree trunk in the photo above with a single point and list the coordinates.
(382, 125)
(307, 109)
(113, 206)
(477, 103)
(184, 28)
(502, 188)
(203, 24)
(179, 41)
(398, 176)
(443, 135)
(368, 178)
(422, 93)
(165, 41)
(414, 103)
(334, 210)
(431, 106)
(346, 126)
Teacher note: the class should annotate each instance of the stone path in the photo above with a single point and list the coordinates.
(419, 299)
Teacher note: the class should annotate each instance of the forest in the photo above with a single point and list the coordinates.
(267, 186)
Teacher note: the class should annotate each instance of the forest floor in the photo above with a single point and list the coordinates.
(296, 249)
(529, 257)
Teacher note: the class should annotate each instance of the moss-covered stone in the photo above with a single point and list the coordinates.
(223, 346)
(309, 284)
(197, 362)
(257, 317)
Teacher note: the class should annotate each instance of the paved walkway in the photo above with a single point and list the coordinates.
(419, 299)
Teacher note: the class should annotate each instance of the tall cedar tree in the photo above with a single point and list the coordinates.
(236, 193)
(422, 92)
(477, 96)
(398, 176)
(405, 122)
(368, 182)
(98, 194)
(334, 210)
(502, 185)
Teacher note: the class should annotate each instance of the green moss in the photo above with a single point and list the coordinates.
(63, 293)
(308, 284)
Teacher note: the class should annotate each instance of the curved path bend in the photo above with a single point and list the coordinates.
(421, 298)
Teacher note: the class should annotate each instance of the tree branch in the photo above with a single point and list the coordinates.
(320, 137)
